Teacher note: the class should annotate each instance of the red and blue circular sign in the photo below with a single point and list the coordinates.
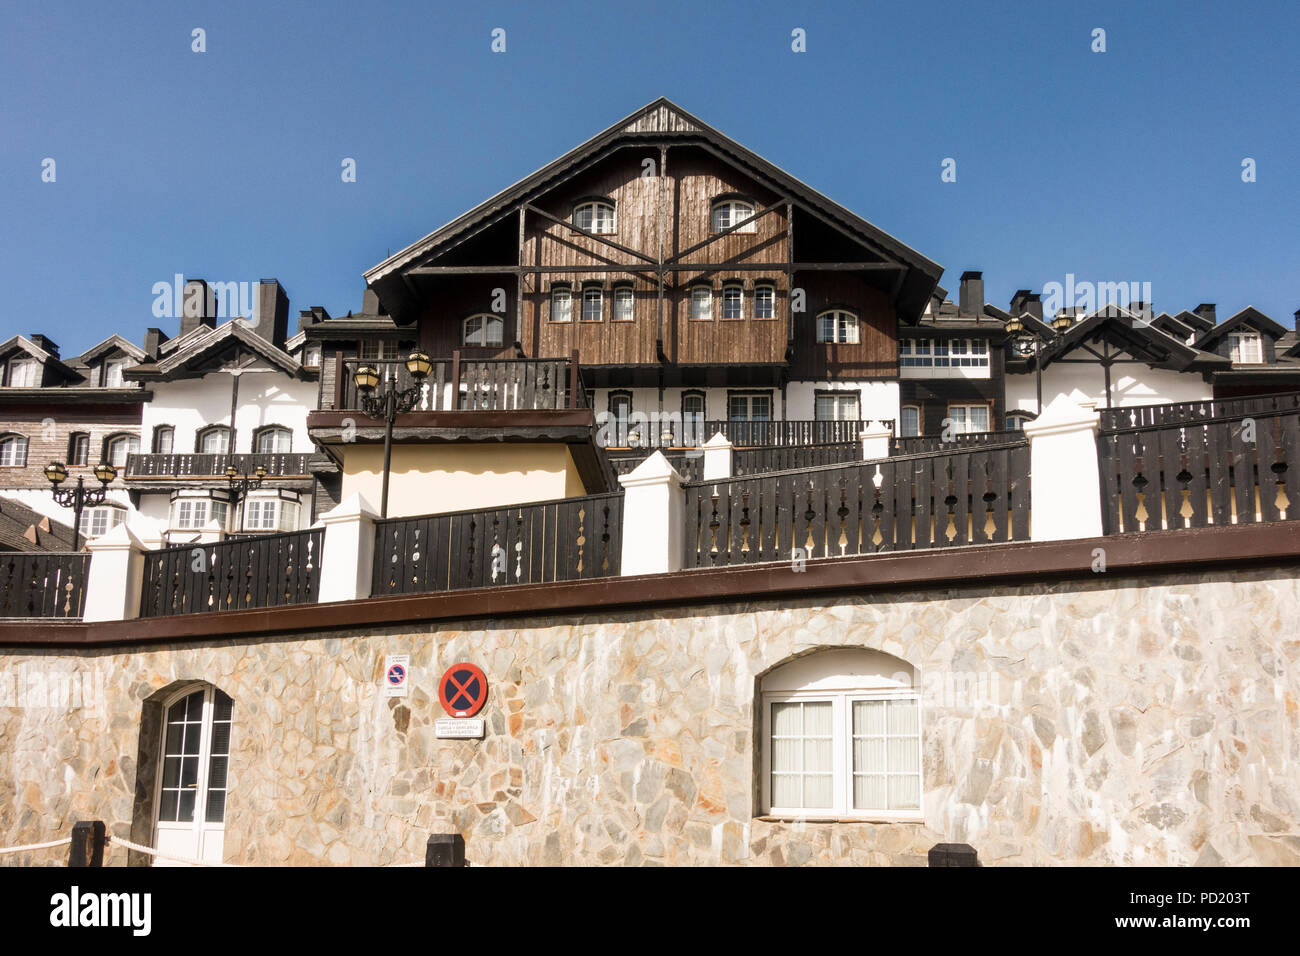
(396, 675)
(462, 690)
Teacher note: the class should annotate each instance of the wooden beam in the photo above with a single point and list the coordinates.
(659, 305)
(668, 267)
(627, 250)
(519, 283)
(730, 229)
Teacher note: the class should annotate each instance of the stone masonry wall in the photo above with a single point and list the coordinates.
(1112, 721)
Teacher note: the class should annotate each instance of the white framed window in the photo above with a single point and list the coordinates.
(377, 350)
(909, 421)
(841, 737)
(120, 447)
(100, 520)
(163, 438)
(24, 373)
(968, 353)
(79, 450)
(593, 303)
(765, 302)
(274, 440)
(192, 513)
(967, 419)
(728, 212)
(113, 373)
(13, 451)
(214, 441)
(837, 325)
(483, 330)
(749, 406)
(1245, 348)
(595, 217)
(270, 514)
(561, 304)
(311, 356)
(194, 757)
(837, 407)
(701, 302)
(733, 302)
(934, 353)
(624, 304)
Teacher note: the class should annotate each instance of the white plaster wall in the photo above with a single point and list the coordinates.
(1130, 385)
(42, 501)
(879, 399)
(266, 397)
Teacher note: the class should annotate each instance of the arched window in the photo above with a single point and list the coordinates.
(593, 303)
(483, 330)
(13, 451)
(163, 438)
(595, 216)
(837, 325)
(841, 737)
(78, 449)
(118, 447)
(729, 211)
(701, 302)
(733, 301)
(213, 441)
(273, 440)
(1016, 420)
(561, 304)
(624, 304)
(192, 775)
(764, 301)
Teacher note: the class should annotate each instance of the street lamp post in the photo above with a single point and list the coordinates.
(1026, 343)
(80, 497)
(390, 403)
(241, 485)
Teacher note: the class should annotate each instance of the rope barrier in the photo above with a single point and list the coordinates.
(123, 841)
(36, 846)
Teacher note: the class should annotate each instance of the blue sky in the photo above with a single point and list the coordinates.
(1115, 166)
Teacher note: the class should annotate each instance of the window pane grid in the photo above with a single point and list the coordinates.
(764, 302)
(802, 754)
(886, 755)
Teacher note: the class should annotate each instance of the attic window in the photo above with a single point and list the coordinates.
(728, 212)
(113, 373)
(594, 217)
(1245, 348)
(24, 373)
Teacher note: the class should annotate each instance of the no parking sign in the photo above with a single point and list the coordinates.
(397, 672)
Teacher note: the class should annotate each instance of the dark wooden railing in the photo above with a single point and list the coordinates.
(649, 432)
(43, 584)
(921, 444)
(538, 543)
(266, 571)
(463, 384)
(1218, 471)
(754, 461)
(688, 462)
(978, 495)
(1173, 413)
(214, 466)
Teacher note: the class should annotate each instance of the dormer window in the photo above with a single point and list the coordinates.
(484, 330)
(728, 212)
(1245, 348)
(595, 217)
(24, 373)
(113, 373)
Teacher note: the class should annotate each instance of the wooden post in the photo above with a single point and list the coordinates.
(338, 381)
(455, 380)
(87, 847)
(573, 379)
(445, 849)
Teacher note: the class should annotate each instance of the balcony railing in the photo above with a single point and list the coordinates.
(1174, 413)
(474, 385)
(214, 466)
(647, 432)
(41, 584)
(919, 444)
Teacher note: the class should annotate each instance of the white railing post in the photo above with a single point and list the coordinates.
(1065, 483)
(875, 439)
(654, 516)
(717, 458)
(348, 552)
(115, 576)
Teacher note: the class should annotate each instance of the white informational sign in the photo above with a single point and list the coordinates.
(397, 674)
(458, 728)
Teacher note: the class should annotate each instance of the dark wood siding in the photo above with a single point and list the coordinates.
(875, 355)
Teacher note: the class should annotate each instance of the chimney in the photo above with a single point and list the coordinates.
(271, 312)
(319, 314)
(44, 344)
(1025, 301)
(306, 319)
(370, 303)
(1206, 311)
(153, 340)
(1296, 315)
(972, 294)
(198, 306)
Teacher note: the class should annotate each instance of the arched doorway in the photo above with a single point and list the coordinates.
(193, 762)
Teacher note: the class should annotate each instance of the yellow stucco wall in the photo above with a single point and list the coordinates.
(430, 479)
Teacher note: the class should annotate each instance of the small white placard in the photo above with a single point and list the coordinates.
(458, 728)
(397, 674)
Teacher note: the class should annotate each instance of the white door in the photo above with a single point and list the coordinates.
(192, 779)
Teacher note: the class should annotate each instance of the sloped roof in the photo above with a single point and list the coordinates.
(197, 348)
(1131, 332)
(663, 119)
(38, 353)
(114, 341)
(1250, 317)
(23, 529)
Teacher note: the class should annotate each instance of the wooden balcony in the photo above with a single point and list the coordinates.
(209, 467)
